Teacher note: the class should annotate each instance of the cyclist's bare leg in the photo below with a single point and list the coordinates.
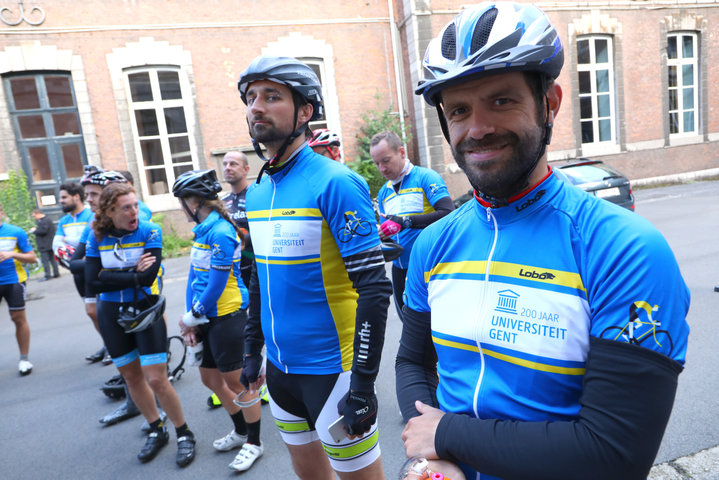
(167, 396)
(91, 310)
(22, 330)
(310, 462)
(372, 471)
(140, 391)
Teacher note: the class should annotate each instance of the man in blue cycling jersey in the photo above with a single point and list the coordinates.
(70, 227)
(413, 198)
(544, 328)
(319, 292)
(15, 249)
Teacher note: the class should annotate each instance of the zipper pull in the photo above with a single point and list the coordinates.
(489, 213)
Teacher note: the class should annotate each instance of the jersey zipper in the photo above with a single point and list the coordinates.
(267, 275)
(479, 329)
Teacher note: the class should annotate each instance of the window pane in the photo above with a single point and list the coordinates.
(602, 80)
(39, 163)
(140, 87)
(157, 181)
(180, 149)
(31, 126)
(587, 132)
(72, 158)
(673, 123)
(672, 76)
(672, 47)
(180, 169)
(605, 130)
(59, 92)
(688, 46)
(583, 52)
(603, 105)
(688, 98)
(146, 123)
(602, 51)
(687, 74)
(24, 92)
(169, 85)
(65, 124)
(585, 82)
(689, 121)
(175, 119)
(152, 152)
(585, 107)
(673, 100)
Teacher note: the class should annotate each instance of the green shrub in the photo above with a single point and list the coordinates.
(375, 121)
(18, 205)
(173, 245)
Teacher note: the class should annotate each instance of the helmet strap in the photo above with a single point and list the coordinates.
(192, 215)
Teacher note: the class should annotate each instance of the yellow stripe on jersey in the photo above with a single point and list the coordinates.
(542, 367)
(285, 212)
(506, 269)
(20, 269)
(122, 245)
(341, 297)
(231, 298)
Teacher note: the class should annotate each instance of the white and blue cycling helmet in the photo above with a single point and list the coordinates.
(492, 37)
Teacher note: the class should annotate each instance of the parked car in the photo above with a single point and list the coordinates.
(599, 179)
(593, 176)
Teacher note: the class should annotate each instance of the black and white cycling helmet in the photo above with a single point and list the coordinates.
(97, 176)
(202, 183)
(138, 316)
(324, 137)
(286, 71)
(487, 38)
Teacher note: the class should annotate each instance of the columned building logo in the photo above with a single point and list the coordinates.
(507, 301)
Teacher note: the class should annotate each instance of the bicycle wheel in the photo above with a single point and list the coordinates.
(661, 342)
(363, 228)
(176, 354)
(615, 333)
(344, 235)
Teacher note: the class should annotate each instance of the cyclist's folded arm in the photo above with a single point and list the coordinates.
(367, 272)
(626, 401)
(77, 262)
(416, 363)
(98, 280)
(254, 339)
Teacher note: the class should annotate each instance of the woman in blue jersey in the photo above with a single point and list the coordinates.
(216, 302)
(123, 258)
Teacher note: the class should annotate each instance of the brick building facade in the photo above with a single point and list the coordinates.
(150, 87)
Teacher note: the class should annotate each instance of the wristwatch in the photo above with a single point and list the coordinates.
(406, 222)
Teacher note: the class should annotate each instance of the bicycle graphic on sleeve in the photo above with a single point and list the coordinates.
(353, 226)
(635, 332)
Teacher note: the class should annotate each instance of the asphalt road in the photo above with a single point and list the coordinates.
(49, 420)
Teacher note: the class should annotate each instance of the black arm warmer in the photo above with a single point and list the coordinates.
(98, 280)
(416, 364)
(374, 290)
(626, 402)
(77, 262)
(441, 208)
(254, 339)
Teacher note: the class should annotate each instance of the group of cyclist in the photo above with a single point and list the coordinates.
(482, 396)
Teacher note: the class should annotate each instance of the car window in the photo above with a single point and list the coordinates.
(589, 173)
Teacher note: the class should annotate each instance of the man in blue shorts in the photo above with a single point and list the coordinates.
(15, 249)
(544, 328)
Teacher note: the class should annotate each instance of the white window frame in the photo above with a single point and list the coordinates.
(678, 63)
(166, 200)
(592, 68)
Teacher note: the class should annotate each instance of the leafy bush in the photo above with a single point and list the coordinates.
(173, 245)
(18, 205)
(375, 121)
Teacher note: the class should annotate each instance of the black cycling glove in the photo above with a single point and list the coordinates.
(360, 411)
(251, 370)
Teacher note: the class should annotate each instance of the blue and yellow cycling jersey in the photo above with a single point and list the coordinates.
(123, 253)
(143, 214)
(303, 220)
(13, 239)
(516, 292)
(418, 191)
(217, 246)
(70, 228)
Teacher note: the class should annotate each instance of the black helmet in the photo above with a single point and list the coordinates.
(97, 176)
(141, 314)
(286, 71)
(114, 388)
(202, 183)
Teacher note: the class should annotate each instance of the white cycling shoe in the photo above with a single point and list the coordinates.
(24, 367)
(229, 442)
(247, 457)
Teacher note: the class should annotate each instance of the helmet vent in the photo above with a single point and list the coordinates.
(483, 29)
(449, 42)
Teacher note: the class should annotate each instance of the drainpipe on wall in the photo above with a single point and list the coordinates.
(396, 60)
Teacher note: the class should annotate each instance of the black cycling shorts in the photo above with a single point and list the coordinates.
(151, 341)
(298, 394)
(14, 293)
(223, 341)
